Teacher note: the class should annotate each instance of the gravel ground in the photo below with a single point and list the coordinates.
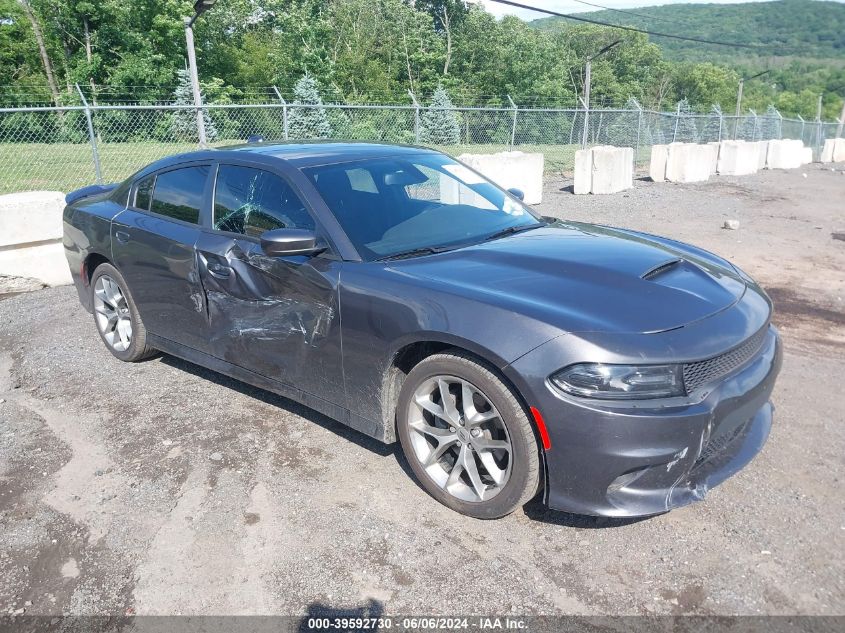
(162, 488)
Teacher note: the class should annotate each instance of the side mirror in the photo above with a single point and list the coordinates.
(285, 242)
(517, 193)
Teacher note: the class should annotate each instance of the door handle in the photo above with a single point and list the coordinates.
(122, 236)
(219, 270)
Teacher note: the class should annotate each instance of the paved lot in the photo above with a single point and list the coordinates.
(161, 488)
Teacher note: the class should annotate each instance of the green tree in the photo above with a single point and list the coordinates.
(183, 123)
(686, 130)
(439, 123)
(309, 122)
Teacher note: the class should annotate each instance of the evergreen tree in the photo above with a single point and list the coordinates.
(311, 122)
(749, 128)
(439, 123)
(770, 125)
(623, 131)
(713, 129)
(183, 123)
(687, 132)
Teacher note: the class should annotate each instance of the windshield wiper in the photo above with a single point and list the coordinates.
(511, 230)
(415, 252)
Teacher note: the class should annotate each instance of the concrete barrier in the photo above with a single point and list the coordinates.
(657, 164)
(31, 237)
(762, 154)
(738, 158)
(583, 172)
(714, 157)
(682, 162)
(518, 170)
(604, 169)
(806, 155)
(785, 154)
(689, 162)
(833, 151)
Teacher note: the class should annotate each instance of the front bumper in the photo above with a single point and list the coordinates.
(638, 459)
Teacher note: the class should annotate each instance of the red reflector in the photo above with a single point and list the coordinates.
(541, 426)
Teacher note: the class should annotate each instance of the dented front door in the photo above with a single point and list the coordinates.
(276, 316)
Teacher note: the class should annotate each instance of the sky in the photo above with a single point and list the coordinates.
(571, 6)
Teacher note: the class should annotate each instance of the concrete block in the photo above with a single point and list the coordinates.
(688, 162)
(583, 172)
(839, 150)
(784, 154)
(762, 154)
(30, 237)
(657, 164)
(604, 169)
(833, 151)
(738, 158)
(43, 262)
(31, 216)
(714, 156)
(612, 169)
(827, 151)
(628, 159)
(806, 155)
(518, 170)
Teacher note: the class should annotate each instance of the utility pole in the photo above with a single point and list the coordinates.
(200, 7)
(587, 80)
(586, 101)
(819, 108)
(739, 97)
(742, 81)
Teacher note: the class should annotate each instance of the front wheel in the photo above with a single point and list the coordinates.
(116, 316)
(466, 436)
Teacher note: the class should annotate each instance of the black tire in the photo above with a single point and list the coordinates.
(524, 480)
(138, 348)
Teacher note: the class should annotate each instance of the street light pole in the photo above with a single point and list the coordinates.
(195, 82)
(587, 81)
(200, 7)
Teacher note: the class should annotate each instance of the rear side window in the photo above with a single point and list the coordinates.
(143, 193)
(178, 193)
(251, 201)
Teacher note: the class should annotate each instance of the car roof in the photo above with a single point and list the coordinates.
(302, 154)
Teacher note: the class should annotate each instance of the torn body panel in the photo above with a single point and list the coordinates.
(277, 317)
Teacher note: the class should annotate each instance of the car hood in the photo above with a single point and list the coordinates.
(587, 278)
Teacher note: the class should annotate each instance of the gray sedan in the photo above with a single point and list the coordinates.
(398, 291)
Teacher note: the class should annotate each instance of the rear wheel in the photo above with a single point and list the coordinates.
(116, 316)
(466, 436)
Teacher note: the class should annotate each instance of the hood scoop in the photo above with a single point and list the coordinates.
(651, 273)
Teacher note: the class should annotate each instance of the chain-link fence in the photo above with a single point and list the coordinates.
(70, 147)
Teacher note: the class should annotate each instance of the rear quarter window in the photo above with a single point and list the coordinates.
(143, 193)
(178, 193)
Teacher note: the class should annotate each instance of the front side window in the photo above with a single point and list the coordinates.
(178, 193)
(415, 202)
(251, 201)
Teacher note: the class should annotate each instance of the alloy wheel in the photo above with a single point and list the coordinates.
(112, 312)
(459, 438)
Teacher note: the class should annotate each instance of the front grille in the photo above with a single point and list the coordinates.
(704, 371)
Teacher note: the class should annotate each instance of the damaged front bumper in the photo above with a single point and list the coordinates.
(640, 459)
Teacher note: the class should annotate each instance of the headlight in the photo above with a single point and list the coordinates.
(620, 382)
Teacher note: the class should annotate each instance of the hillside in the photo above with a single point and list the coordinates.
(786, 29)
